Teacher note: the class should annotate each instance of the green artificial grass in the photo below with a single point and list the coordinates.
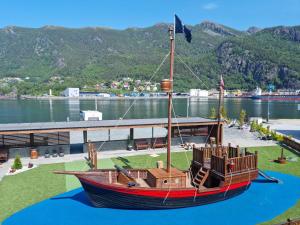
(266, 155)
(24, 189)
(72, 182)
(181, 160)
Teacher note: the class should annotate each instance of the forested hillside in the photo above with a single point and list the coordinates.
(88, 55)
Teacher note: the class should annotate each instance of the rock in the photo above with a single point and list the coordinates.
(217, 29)
(236, 60)
(288, 33)
(253, 30)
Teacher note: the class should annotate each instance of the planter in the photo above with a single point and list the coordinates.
(34, 154)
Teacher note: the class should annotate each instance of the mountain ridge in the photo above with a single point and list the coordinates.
(246, 59)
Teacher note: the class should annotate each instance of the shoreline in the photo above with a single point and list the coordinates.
(111, 98)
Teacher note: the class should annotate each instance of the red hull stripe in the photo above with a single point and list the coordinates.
(151, 192)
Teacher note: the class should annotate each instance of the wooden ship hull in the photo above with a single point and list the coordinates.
(215, 174)
(109, 196)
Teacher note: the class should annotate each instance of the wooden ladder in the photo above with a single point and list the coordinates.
(200, 177)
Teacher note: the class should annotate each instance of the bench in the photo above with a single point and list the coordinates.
(158, 143)
(141, 144)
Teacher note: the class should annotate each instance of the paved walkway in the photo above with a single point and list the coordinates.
(286, 127)
(235, 136)
(244, 138)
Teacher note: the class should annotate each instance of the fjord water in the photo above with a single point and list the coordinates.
(26, 111)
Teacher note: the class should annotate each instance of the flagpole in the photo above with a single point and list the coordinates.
(170, 93)
(219, 112)
(174, 30)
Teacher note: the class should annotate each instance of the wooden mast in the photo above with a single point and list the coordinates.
(221, 86)
(172, 45)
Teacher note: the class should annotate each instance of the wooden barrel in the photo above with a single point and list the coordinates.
(34, 154)
(166, 85)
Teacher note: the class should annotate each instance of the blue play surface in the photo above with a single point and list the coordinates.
(262, 202)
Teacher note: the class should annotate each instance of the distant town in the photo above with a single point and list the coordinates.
(129, 87)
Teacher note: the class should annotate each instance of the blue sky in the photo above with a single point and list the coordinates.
(121, 14)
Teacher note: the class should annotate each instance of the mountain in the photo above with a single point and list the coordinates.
(87, 55)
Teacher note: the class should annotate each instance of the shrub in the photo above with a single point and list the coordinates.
(253, 126)
(242, 117)
(213, 114)
(17, 163)
(223, 113)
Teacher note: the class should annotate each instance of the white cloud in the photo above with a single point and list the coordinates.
(210, 6)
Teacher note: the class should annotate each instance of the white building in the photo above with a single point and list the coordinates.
(198, 93)
(71, 92)
(90, 115)
(104, 95)
(257, 91)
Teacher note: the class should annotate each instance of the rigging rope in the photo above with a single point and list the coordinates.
(229, 183)
(194, 74)
(175, 117)
(129, 108)
(190, 172)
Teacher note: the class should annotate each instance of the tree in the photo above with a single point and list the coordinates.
(17, 163)
(212, 114)
(242, 117)
(223, 112)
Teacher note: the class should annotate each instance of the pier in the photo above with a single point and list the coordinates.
(20, 138)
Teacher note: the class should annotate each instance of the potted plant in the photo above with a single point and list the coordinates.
(17, 163)
(129, 144)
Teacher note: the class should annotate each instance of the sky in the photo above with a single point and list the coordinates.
(121, 14)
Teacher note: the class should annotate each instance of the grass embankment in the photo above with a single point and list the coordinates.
(22, 190)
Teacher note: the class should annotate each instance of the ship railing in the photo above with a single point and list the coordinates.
(218, 164)
(224, 165)
(204, 154)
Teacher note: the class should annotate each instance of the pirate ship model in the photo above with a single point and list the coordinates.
(216, 172)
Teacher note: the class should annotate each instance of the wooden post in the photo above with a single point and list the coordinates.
(31, 137)
(95, 157)
(131, 135)
(89, 150)
(256, 154)
(237, 151)
(225, 165)
(152, 132)
(92, 155)
(84, 136)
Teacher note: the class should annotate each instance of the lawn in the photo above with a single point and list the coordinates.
(22, 190)
(27, 188)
